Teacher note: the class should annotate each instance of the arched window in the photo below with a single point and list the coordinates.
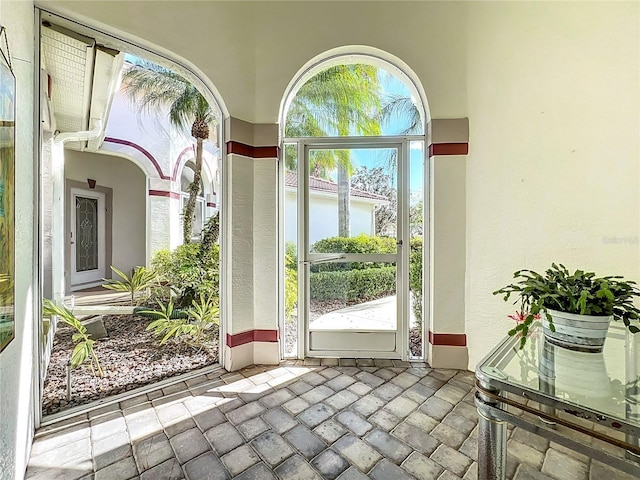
(186, 178)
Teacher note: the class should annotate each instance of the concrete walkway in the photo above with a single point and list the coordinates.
(380, 314)
(347, 420)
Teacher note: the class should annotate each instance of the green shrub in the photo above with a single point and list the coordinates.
(188, 273)
(415, 277)
(291, 256)
(352, 285)
(360, 244)
(290, 292)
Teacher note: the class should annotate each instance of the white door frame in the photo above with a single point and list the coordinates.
(93, 277)
(401, 257)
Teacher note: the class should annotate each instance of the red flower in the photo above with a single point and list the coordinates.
(520, 317)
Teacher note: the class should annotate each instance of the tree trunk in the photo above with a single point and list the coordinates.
(344, 221)
(194, 188)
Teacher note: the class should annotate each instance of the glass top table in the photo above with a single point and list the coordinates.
(594, 394)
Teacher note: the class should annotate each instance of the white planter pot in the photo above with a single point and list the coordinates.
(577, 332)
(576, 376)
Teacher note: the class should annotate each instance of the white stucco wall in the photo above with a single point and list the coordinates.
(241, 248)
(166, 144)
(129, 201)
(265, 243)
(553, 173)
(323, 215)
(17, 365)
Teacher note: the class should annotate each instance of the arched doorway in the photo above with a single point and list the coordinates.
(354, 165)
(85, 117)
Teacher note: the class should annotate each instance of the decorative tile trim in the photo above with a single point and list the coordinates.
(163, 193)
(252, 336)
(448, 149)
(250, 151)
(448, 339)
(135, 146)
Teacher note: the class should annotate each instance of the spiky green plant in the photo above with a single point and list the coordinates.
(202, 316)
(139, 281)
(83, 349)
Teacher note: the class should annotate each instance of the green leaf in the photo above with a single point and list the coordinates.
(79, 355)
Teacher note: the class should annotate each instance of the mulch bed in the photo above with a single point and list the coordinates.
(130, 358)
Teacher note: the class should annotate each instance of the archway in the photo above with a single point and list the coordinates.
(353, 126)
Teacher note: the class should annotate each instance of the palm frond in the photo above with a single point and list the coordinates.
(152, 87)
(401, 108)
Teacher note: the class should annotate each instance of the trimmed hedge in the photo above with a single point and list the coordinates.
(352, 285)
(360, 244)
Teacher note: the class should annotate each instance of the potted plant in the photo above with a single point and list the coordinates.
(576, 308)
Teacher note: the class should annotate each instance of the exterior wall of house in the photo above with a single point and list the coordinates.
(129, 202)
(18, 391)
(161, 152)
(323, 212)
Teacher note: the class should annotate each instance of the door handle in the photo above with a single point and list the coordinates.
(322, 260)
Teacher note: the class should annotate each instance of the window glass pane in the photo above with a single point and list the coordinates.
(353, 100)
(87, 233)
(416, 231)
(352, 193)
(291, 252)
(353, 296)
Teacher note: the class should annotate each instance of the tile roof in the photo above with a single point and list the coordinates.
(322, 185)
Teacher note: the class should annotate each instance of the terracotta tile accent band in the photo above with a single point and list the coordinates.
(251, 151)
(252, 336)
(448, 149)
(135, 146)
(448, 339)
(211, 204)
(162, 193)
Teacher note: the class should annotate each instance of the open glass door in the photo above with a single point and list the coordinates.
(353, 296)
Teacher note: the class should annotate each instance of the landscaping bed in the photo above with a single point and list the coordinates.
(130, 357)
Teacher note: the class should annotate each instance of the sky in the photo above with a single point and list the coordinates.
(393, 86)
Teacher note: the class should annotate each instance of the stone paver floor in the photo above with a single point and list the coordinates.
(346, 420)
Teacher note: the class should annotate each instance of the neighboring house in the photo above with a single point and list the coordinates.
(323, 209)
(123, 191)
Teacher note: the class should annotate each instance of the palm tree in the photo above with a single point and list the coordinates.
(151, 87)
(339, 101)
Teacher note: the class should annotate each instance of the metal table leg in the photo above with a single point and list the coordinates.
(492, 439)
